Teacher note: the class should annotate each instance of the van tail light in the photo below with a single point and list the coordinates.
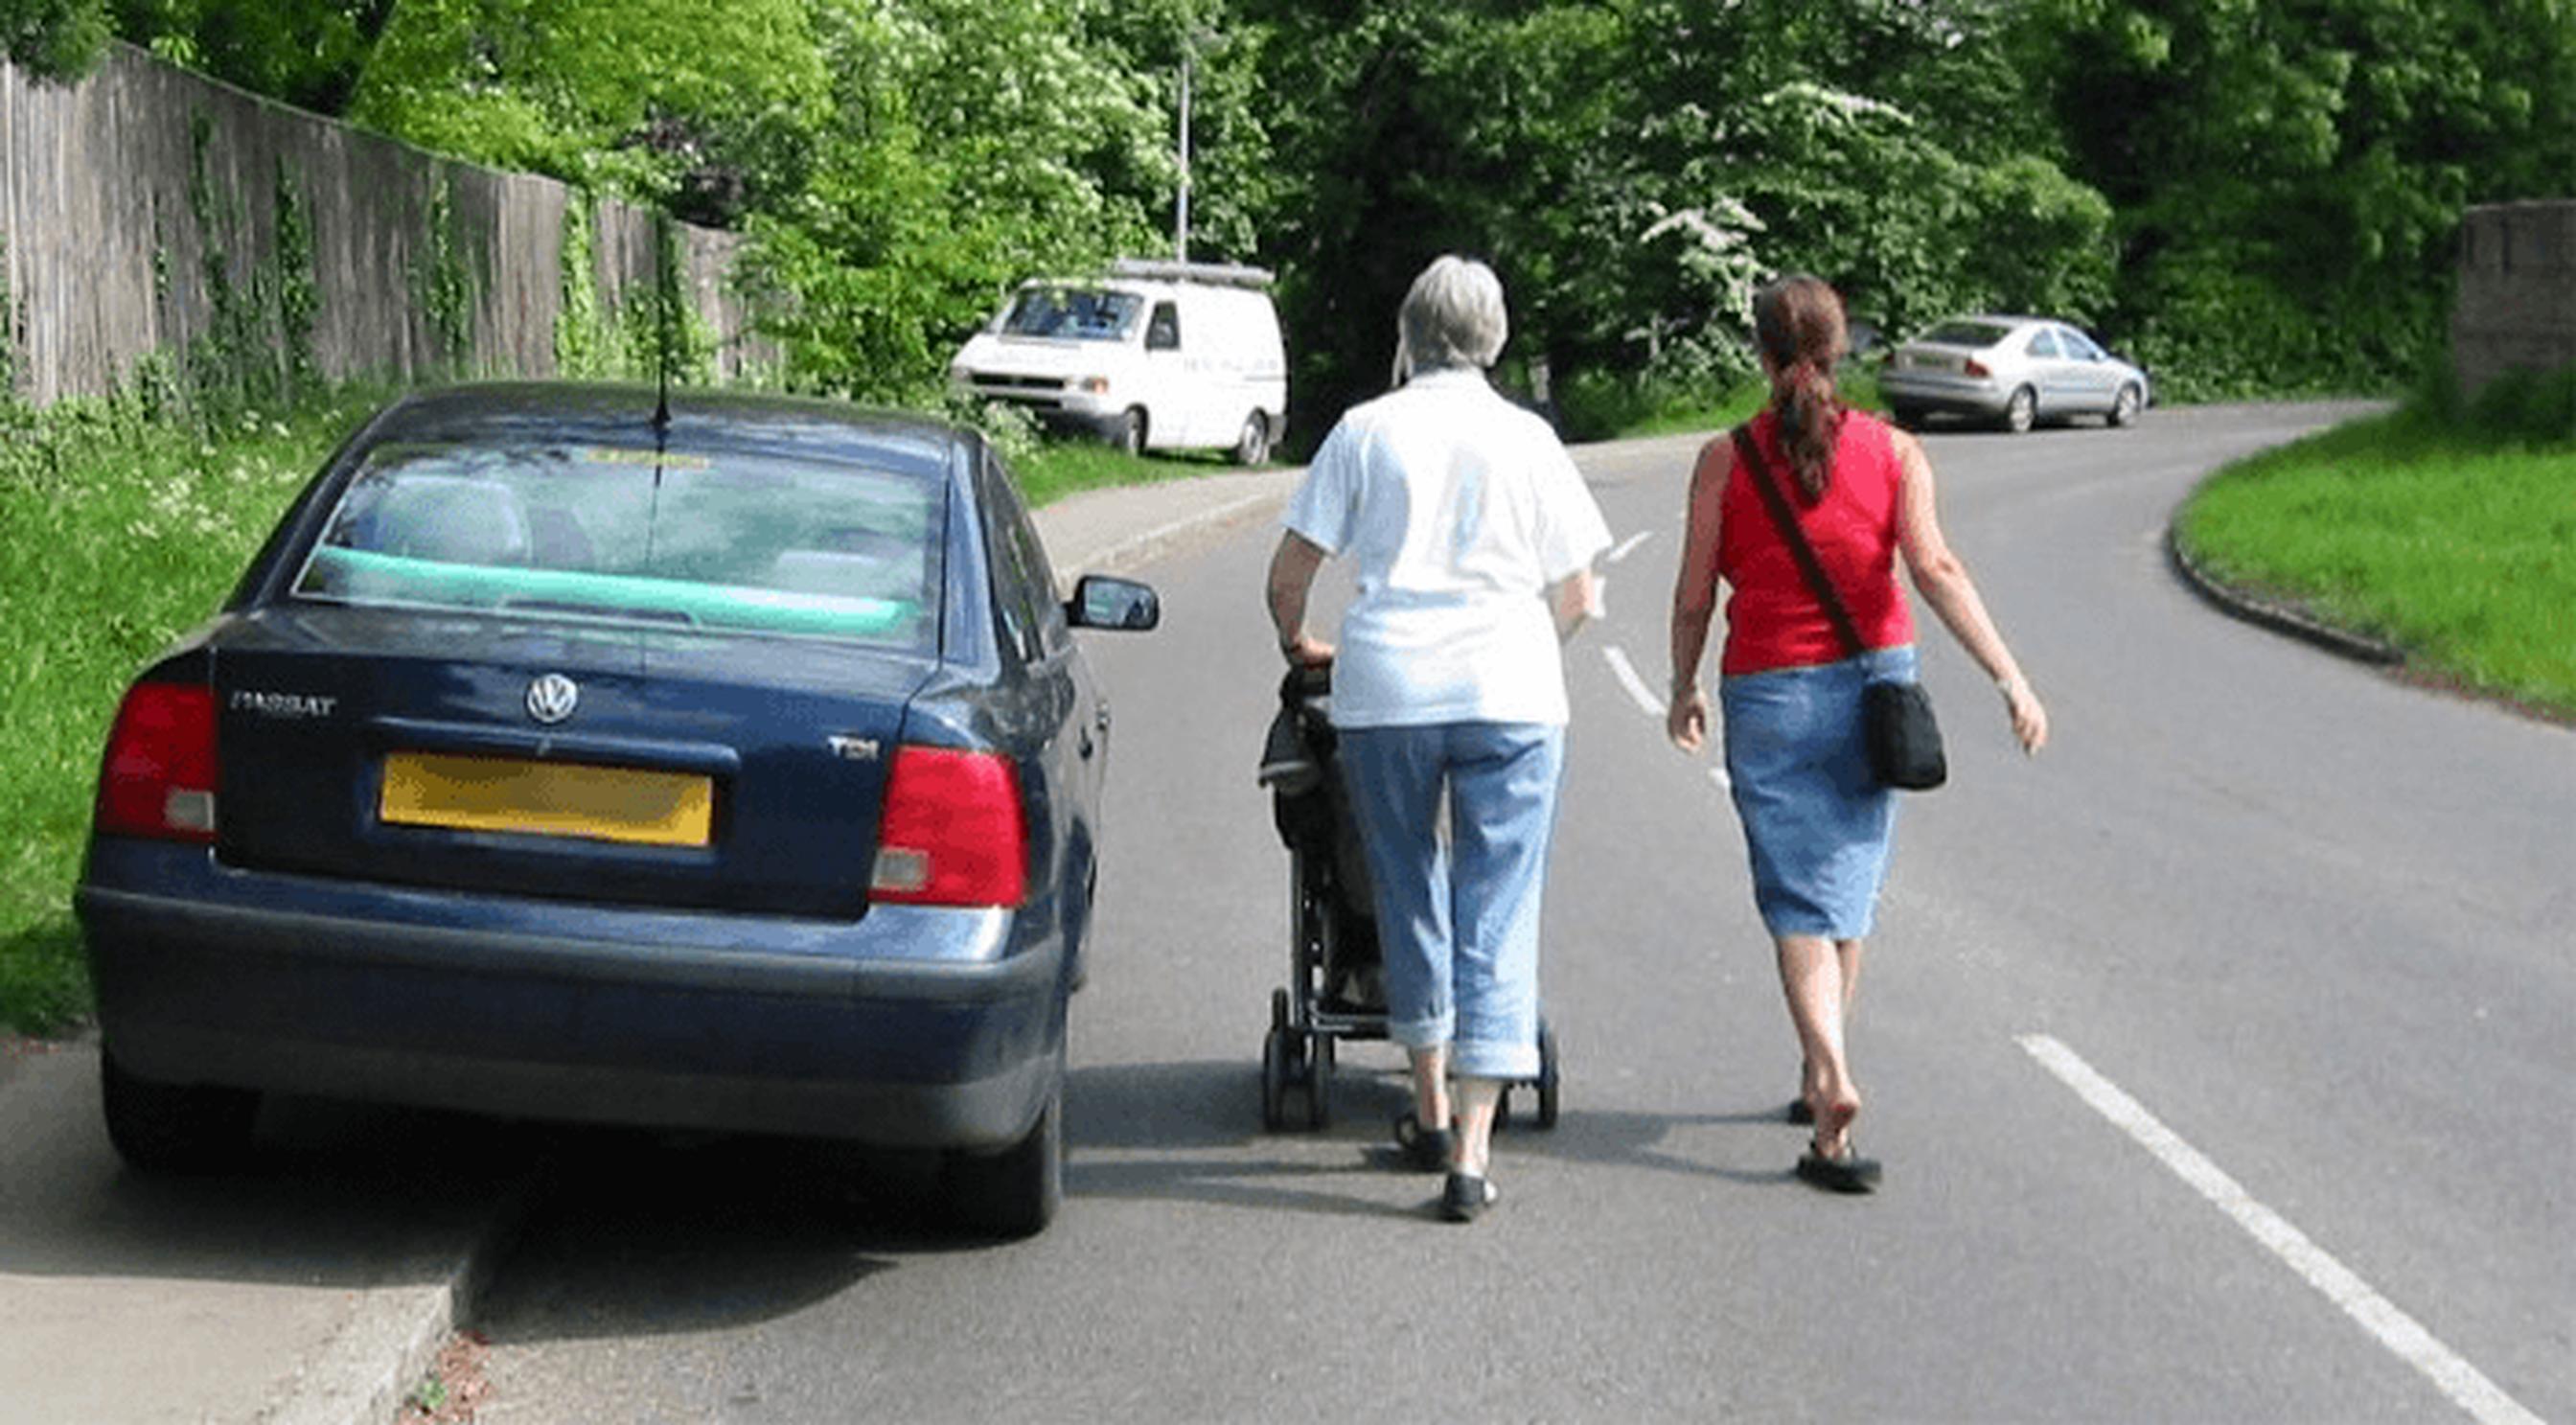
(159, 776)
(952, 832)
(1978, 369)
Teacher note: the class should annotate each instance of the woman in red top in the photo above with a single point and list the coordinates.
(1816, 822)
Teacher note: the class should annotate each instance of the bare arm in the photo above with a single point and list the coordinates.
(1292, 577)
(1695, 597)
(1575, 600)
(1941, 577)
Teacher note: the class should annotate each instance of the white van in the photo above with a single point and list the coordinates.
(1155, 356)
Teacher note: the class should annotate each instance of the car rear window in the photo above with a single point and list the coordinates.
(1082, 313)
(1967, 333)
(721, 541)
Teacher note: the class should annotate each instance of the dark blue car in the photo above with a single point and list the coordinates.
(726, 767)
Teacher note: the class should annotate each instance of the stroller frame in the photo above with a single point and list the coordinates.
(1332, 936)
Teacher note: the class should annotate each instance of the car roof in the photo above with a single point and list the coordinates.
(622, 413)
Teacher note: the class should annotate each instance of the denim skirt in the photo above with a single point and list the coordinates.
(1816, 823)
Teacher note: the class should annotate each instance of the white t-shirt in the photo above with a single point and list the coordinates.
(1460, 510)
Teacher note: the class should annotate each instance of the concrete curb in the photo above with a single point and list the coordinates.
(1137, 550)
(391, 1342)
(2276, 616)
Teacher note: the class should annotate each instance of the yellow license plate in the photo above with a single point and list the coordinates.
(547, 799)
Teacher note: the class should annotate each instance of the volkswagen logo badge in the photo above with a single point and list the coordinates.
(552, 698)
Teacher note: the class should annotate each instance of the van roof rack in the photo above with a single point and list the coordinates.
(1224, 274)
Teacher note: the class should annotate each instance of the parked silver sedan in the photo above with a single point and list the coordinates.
(2016, 371)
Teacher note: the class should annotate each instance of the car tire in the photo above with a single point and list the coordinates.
(1252, 446)
(2125, 406)
(2021, 410)
(1015, 1192)
(1129, 434)
(174, 1128)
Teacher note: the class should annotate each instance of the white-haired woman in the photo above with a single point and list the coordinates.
(1472, 537)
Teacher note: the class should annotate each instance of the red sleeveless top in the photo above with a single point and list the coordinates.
(1773, 619)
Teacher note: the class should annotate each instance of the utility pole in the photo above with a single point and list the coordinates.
(1181, 219)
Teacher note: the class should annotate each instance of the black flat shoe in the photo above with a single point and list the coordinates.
(1466, 1194)
(1850, 1173)
(1424, 1150)
(1800, 1114)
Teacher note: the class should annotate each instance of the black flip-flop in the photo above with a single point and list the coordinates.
(1425, 1150)
(1466, 1194)
(1850, 1173)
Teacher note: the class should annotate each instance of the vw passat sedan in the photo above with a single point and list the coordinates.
(732, 769)
(2015, 371)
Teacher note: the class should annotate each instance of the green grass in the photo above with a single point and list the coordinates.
(2452, 536)
(116, 535)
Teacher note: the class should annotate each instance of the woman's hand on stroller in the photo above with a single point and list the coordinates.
(1307, 651)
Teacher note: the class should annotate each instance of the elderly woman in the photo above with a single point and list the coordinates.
(1816, 822)
(1473, 539)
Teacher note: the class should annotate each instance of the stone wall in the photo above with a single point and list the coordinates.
(141, 209)
(2517, 297)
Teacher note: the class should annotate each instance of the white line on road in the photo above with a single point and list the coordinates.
(1629, 545)
(1645, 698)
(2394, 1329)
(1627, 674)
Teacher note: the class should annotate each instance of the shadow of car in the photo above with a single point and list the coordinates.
(732, 767)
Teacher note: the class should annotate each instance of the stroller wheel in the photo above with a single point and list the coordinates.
(1279, 1008)
(1547, 1076)
(1274, 1079)
(1319, 1082)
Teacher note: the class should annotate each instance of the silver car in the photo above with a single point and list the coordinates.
(2016, 371)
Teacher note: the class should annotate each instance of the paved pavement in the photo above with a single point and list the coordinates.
(318, 1292)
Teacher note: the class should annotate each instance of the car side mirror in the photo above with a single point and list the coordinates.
(1100, 601)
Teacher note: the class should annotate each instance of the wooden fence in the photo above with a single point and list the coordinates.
(150, 210)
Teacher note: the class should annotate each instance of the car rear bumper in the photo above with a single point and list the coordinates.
(1937, 391)
(907, 1028)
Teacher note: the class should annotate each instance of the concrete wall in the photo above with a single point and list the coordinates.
(106, 250)
(2517, 298)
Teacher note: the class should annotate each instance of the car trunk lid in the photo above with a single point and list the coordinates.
(516, 756)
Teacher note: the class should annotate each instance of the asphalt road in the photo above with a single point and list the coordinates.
(2220, 1059)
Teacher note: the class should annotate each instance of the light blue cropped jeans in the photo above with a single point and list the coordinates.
(1458, 924)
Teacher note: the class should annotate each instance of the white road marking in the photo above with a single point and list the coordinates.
(2394, 1329)
(1629, 545)
(1626, 672)
(1645, 698)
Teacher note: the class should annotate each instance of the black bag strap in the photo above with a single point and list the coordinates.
(1759, 471)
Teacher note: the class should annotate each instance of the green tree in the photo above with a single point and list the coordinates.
(308, 53)
(2288, 177)
(708, 107)
(57, 40)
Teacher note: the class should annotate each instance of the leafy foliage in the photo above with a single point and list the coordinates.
(58, 40)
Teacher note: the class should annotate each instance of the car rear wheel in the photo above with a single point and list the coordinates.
(1129, 434)
(2124, 406)
(1252, 446)
(1013, 1193)
(174, 1128)
(2022, 411)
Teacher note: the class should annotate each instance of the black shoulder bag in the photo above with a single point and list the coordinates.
(1904, 740)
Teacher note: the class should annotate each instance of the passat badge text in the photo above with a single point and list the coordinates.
(285, 705)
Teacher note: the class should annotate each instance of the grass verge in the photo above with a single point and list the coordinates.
(118, 532)
(2449, 533)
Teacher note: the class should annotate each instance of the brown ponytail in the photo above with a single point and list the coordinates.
(1799, 322)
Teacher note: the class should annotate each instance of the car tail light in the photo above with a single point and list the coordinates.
(952, 832)
(158, 778)
(1977, 368)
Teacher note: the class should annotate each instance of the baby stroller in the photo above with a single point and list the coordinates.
(1336, 986)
